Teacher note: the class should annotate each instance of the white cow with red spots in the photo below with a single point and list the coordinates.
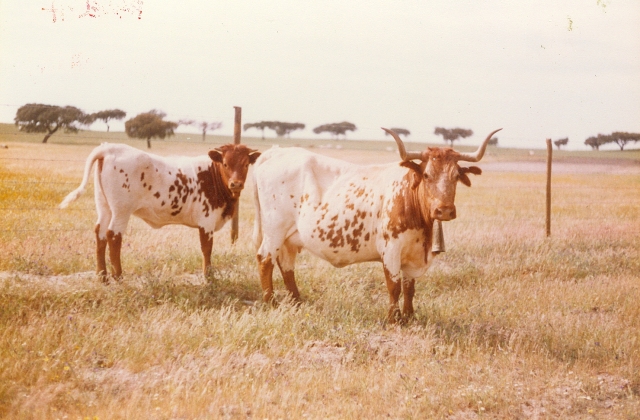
(346, 213)
(200, 192)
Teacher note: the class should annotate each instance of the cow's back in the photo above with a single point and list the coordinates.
(326, 205)
(294, 167)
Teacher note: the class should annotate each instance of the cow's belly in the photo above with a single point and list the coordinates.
(340, 247)
(158, 217)
(341, 256)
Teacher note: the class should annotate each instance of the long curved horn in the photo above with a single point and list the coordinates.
(477, 155)
(403, 152)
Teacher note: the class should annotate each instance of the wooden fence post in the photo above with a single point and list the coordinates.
(549, 159)
(236, 140)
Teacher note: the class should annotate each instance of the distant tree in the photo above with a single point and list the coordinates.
(109, 114)
(281, 128)
(149, 125)
(596, 141)
(452, 134)
(336, 128)
(202, 125)
(40, 118)
(621, 138)
(259, 125)
(285, 129)
(561, 142)
(493, 141)
(399, 131)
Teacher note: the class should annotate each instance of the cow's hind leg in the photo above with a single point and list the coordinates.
(265, 268)
(114, 239)
(101, 251)
(115, 246)
(286, 263)
(394, 286)
(268, 251)
(104, 219)
(206, 245)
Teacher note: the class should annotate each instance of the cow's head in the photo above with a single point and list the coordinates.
(234, 161)
(437, 174)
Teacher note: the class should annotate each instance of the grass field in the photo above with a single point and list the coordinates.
(509, 323)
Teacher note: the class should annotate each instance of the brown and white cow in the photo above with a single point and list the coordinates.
(200, 192)
(346, 213)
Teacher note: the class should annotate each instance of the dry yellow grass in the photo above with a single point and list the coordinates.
(509, 324)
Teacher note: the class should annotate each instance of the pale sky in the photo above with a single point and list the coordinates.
(561, 68)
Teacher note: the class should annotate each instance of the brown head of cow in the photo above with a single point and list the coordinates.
(234, 161)
(437, 175)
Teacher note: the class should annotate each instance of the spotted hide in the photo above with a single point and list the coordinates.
(199, 192)
(346, 213)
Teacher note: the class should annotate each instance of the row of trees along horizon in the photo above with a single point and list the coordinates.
(41, 118)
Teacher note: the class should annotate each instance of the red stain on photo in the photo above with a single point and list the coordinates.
(94, 8)
(53, 12)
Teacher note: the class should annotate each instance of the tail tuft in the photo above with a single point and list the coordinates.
(73, 196)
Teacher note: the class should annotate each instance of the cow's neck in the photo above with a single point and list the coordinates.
(422, 204)
(217, 192)
(411, 211)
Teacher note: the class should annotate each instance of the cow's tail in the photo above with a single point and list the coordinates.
(257, 224)
(97, 153)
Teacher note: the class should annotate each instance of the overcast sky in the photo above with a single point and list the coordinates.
(561, 68)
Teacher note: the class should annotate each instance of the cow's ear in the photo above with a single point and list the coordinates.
(474, 170)
(215, 155)
(416, 171)
(464, 178)
(253, 156)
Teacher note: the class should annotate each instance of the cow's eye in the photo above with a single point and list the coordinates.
(425, 175)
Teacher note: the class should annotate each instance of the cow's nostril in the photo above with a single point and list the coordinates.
(445, 213)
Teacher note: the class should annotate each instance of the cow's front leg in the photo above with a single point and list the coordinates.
(265, 268)
(114, 241)
(394, 286)
(101, 255)
(290, 283)
(206, 245)
(408, 290)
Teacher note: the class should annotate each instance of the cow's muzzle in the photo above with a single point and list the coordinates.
(444, 213)
(236, 187)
